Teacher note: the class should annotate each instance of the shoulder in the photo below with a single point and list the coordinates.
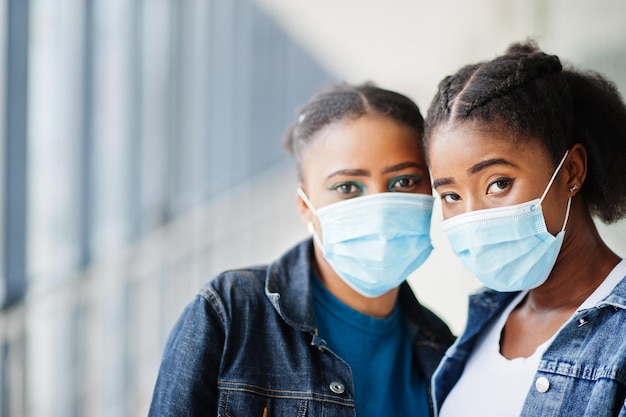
(252, 281)
(617, 297)
(237, 282)
(235, 287)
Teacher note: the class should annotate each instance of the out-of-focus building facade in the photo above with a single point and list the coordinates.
(141, 155)
(140, 149)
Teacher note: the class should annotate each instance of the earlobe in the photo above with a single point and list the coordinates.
(576, 168)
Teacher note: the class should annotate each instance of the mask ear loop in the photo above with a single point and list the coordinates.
(306, 200)
(310, 227)
(556, 171)
(569, 204)
(545, 192)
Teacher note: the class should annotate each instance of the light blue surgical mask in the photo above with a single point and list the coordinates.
(507, 248)
(375, 241)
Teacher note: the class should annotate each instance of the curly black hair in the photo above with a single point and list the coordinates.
(538, 98)
(344, 101)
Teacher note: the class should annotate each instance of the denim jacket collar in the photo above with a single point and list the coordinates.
(287, 287)
(617, 298)
(486, 304)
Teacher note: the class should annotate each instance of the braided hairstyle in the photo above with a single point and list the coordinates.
(344, 101)
(538, 99)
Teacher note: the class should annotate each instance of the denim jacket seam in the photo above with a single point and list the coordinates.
(558, 367)
(213, 299)
(606, 303)
(284, 394)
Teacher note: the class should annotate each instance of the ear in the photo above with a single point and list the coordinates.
(576, 168)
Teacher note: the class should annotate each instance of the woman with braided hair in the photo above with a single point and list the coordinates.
(331, 328)
(523, 152)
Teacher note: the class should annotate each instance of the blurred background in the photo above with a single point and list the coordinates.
(140, 155)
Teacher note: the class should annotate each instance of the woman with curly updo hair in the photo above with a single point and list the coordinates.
(524, 152)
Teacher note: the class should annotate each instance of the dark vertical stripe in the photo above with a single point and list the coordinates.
(86, 151)
(136, 129)
(15, 152)
(5, 381)
(173, 148)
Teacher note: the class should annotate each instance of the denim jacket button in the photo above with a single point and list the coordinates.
(337, 387)
(542, 384)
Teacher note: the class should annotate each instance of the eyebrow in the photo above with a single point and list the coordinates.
(401, 166)
(350, 172)
(474, 169)
(442, 181)
(367, 173)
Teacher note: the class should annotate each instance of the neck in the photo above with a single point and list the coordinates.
(379, 307)
(583, 264)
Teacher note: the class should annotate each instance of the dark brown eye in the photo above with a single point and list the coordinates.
(450, 197)
(404, 183)
(500, 185)
(348, 188)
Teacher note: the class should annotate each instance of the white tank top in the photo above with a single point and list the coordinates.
(494, 386)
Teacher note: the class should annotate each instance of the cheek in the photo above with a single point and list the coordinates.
(447, 212)
(425, 187)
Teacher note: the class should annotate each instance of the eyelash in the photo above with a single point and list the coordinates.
(451, 197)
(359, 189)
(444, 197)
(338, 188)
(415, 180)
(507, 184)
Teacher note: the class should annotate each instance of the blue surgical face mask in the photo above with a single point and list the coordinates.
(507, 248)
(374, 242)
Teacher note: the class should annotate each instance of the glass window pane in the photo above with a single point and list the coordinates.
(112, 125)
(155, 106)
(54, 135)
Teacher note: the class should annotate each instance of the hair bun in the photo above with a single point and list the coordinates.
(536, 65)
(527, 47)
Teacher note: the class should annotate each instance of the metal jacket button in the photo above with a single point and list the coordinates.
(337, 387)
(542, 384)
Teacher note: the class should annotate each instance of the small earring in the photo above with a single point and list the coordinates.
(310, 227)
(573, 188)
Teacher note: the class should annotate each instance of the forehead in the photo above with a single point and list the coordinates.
(462, 144)
(367, 142)
(468, 137)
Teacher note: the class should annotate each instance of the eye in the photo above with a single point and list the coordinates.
(405, 182)
(500, 185)
(450, 198)
(348, 189)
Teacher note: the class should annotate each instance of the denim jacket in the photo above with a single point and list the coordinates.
(581, 374)
(247, 346)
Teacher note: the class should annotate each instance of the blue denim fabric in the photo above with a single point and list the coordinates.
(247, 346)
(585, 365)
